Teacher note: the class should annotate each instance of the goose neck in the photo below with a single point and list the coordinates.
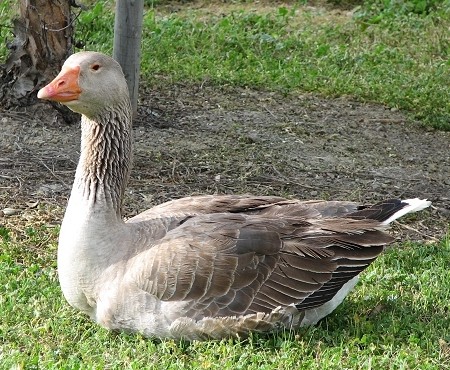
(105, 160)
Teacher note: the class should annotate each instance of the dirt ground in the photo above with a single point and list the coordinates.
(210, 140)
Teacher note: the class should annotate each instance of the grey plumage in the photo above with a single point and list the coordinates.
(198, 267)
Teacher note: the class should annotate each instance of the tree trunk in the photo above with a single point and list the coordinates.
(43, 40)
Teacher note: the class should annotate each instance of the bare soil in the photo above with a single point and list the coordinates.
(210, 140)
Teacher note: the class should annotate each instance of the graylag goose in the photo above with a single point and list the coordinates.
(200, 267)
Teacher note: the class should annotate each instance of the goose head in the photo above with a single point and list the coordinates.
(89, 83)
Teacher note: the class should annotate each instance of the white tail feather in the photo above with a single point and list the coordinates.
(414, 205)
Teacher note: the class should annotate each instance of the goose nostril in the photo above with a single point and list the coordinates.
(61, 83)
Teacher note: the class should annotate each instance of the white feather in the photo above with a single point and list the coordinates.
(314, 315)
(414, 205)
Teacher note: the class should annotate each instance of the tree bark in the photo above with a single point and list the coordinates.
(43, 40)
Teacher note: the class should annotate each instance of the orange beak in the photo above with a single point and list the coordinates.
(64, 88)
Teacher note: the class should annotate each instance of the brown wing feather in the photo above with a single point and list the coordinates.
(207, 204)
(236, 263)
(352, 254)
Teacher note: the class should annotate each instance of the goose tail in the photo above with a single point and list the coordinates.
(409, 206)
(390, 210)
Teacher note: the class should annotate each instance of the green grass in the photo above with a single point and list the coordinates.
(388, 62)
(380, 54)
(6, 11)
(392, 52)
(396, 318)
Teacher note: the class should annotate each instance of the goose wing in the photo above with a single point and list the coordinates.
(205, 204)
(233, 264)
(264, 205)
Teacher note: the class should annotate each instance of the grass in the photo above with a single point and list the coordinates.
(394, 53)
(392, 57)
(6, 11)
(397, 318)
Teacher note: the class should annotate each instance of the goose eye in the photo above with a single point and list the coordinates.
(95, 67)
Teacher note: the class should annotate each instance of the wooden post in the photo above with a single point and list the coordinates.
(127, 43)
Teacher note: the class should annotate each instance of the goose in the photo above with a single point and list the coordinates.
(201, 267)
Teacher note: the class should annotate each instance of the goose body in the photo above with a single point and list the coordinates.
(198, 267)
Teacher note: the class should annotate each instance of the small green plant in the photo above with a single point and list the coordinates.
(94, 28)
(4, 234)
(374, 10)
(6, 15)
